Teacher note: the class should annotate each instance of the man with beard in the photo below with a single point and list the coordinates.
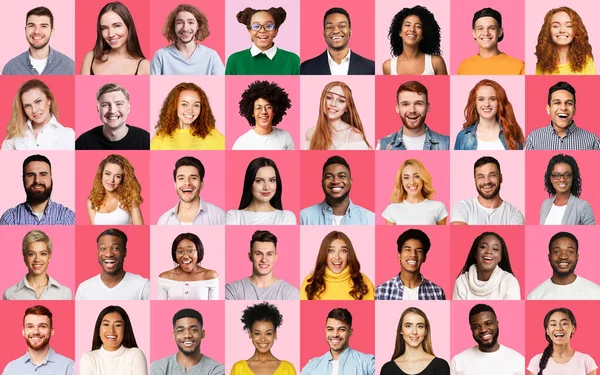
(191, 209)
(38, 209)
(337, 59)
(488, 356)
(188, 335)
(113, 108)
(487, 208)
(40, 358)
(40, 59)
(337, 208)
(412, 104)
(563, 255)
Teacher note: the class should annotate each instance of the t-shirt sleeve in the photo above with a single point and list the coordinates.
(534, 364)
(289, 218)
(442, 213)
(388, 213)
(229, 292)
(230, 218)
(291, 292)
(453, 367)
(590, 364)
(517, 217)
(460, 212)
(146, 290)
(217, 65)
(289, 142)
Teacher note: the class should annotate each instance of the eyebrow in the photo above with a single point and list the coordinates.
(333, 93)
(116, 321)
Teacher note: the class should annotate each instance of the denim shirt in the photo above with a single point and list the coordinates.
(352, 362)
(466, 139)
(322, 214)
(433, 141)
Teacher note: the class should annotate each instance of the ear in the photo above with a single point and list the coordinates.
(474, 35)
(501, 33)
(202, 185)
(203, 334)
(250, 256)
(52, 332)
(428, 108)
(397, 108)
(548, 109)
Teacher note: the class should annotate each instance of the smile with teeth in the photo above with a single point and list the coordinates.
(113, 116)
(558, 335)
(487, 336)
(263, 266)
(190, 115)
(111, 337)
(563, 115)
(186, 262)
(336, 38)
(411, 262)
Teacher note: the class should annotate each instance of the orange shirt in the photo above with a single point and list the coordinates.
(497, 65)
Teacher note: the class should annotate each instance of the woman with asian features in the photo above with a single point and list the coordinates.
(563, 44)
(338, 126)
(413, 353)
(117, 49)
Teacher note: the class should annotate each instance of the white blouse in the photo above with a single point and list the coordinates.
(188, 290)
(53, 136)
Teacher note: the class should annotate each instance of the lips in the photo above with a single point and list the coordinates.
(486, 337)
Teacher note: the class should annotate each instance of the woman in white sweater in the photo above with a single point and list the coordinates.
(114, 349)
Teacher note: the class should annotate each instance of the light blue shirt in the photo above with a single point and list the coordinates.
(352, 362)
(203, 61)
(322, 214)
(208, 214)
(54, 364)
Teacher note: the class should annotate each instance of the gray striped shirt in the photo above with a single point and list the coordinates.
(576, 138)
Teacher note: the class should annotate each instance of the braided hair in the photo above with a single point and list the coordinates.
(550, 348)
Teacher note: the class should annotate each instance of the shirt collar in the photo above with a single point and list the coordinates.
(28, 207)
(175, 210)
(570, 129)
(398, 280)
(326, 207)
(345, 59)
(53, 122)
(270, 53)
(342, 356)
(50, 357)
(473, 128)
(25, 284)
(428, 137)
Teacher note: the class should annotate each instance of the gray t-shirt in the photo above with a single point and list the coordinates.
(244, 290)
(170, 366)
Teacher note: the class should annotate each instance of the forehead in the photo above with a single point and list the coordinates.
(412, 242)
(187, 322)
(413, 318)
(482, 317)
(189, 95)
(338, 242)
(115, 168)
(113, 316)
(562, 167)
(37, 166)
(185, 242)
(31, 95)
(486, 90)
(487, 168)
(112, 96)
(110, 17)
(185, 15)
(261, 101)
(413, 18)
(561, 95)
(335, 169)
(110, 239)
(263, 246)
(558, 316)
(561, 17)
(489, 239)
(38, 19)
(187, 170)
(262, 325)
(411, 96)
(37, 246)
(336, 18)
(266, 172)
(336, 90)
(563, 242)
(331, 322)
(36, 319)
(486, 22)
(262, 17)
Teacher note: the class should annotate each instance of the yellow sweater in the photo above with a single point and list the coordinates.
(183, 140)
(564, 69)
(338, 286)
(242, 368)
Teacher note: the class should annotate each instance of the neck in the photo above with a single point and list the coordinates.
(121, 51)
(193, 206)
(115, 134)
(414, 199)
(39, 54)
(259, 206)
(186, 48)
(112, 280)
(561, 131)
(489, 350)
(36, 125)
(483, 275)
(262, 357)
(411, 52)
(339, 209)
(188, 361)
(38, 356)
(337, 353)
(562, 351)
(265, 48)
(561, 199)
(338, 55)
(37, 280)
(39, 207)
(489, 52)
(563, 55)
(263, 281)
(493, 202)
(413, 353)
(563, 280)
(338, 125)
(487, 124)
(411, 279)
(263, 130)
(183, 125)
(414, 132)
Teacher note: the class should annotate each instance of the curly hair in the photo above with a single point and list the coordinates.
(168, 30)
(550, 348)
(102, 48)
(575, 180)
(271, 92)
(261, 312)
(579, 49)
(245, 16)
(168, 121)
(426, 344)
(399, 194)
(505, 114)
(504, 263)
(430, 44)
(316, 282)
(128, 191)
(18, 119)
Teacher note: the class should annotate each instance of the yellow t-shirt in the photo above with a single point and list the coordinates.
(496, 65)
(183, 140)
(338, 286)
(565, 69)
(241, 368)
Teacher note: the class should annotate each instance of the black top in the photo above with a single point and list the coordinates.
(136, 69)
(437, 366)
(320, 65)
(135, 139)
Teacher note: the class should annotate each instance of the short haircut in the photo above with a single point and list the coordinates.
(188, 313)
(114, 232)
(41, 11)
(341, 314)
(414, 234)
(263, 236)
(337, 11)
(191, 237)
(486, 160)
(489, 12)
(413, 86)
(479, 308)
(189, 161)
(38, 310)
(560, 235)
(562, 85)
(336, 160)
(36, 235)
(111, 87)
(36, 157)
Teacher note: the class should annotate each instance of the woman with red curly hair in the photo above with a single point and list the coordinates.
(563, 46)
(115, 197)
(186, 121)
(490, 122)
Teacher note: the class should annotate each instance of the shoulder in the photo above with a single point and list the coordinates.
(288, 55)
(12, 64)
(355, 136)
(137, 131)
(315, 60)
(387, 69)
(210, 275)
(309, 134)
(88, 57)
(168, 275)
(245, 53)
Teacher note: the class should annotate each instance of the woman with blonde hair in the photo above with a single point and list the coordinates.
(411, 199)
(115, 197)
(338, 126)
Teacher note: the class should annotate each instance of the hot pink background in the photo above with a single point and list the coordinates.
(163, 194)
(387, 166)
(362, 17)
(513, 23)
(363, 93)
(238, 125)
(237, 245)
(286, 346)
(87, 166)
(361, 170)
(385, 12)
(213, 316)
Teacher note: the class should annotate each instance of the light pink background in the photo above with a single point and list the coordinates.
(237, 245)
(385, 12)
(387, 166)
(363, 93)
(238, 125)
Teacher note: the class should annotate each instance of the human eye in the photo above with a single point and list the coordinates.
(184, 104)
(197, 105)
(330, 251)
(30, 254)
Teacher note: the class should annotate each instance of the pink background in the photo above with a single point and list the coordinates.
(87, 165)
(214, 12)
(436, 267)
(462, 86)
(387, 166)
(513, 23)
(163, 194)
(238, 125)
(362, 17)
(237, 245)
(213, 240)
(363, 93)
(61, 265)
(385, 12)
(287, 345)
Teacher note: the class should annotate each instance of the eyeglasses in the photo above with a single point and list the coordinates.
(557, 176)
(260, 108)
(266, 26)
(190, 252)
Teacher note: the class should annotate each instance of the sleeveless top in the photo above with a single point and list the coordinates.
(117, 217)
(429, 71)
(135, 74)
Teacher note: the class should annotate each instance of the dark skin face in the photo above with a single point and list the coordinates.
(484, 327)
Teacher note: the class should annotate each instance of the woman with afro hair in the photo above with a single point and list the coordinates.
(415, 44)
(264, 104)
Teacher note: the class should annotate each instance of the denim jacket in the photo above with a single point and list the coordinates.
(466, 139)
(433, 141)
(322, 214)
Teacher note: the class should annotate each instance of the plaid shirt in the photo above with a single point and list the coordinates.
(393, 289)
(576, 138)
(54, 214)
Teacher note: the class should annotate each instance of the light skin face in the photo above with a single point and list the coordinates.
(188, 335)
(263, 336)
(112, 330)
(338, 335)
(489, 253)
(412, 108)
(36, 106)
(337, 31)
(560, 329)
(113, 108)
(412, 30)
(486, 33)
(263, 257)
(113, 29)
(561, 109)
(561, 29)
(112, 176)
(38, 179)
(38, 31)
(265, 184)
(111, 254)
(186, 255)
(487, 104)
(488, 180)
(188, 108)
(413, 330)
(562, 178)
(484, 327)
(188, 184)
(262, 38)
(337, 256)
(411, 181)
(336, 104)
(37, 258)
(37, 331)
(263, 113)
(186, 27)
(563, 256)
(411, 256)
(336, 182)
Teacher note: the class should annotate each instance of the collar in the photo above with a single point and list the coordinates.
(342, 356)
(428, 136)
(175, 210)
(473, 128)
(49, 59)
(28, 206)
(400, 284)
(570, 129)
(327, 208)
(25, 284)
(50, 357)
(53, 122)
(345, 59)
(270, 53)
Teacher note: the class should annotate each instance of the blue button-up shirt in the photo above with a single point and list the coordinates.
(54, 214)
(393, 289)
(322, 214)
(208, 214)
(433, 141)
(54, 364)
(352, 362)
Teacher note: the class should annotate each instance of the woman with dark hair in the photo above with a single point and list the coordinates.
(563, 45)
(413, 353)
(490, 122)
(337, 275)
(487, 274)
(264, 104)
(559, 358)
(117, 49)
(262, 321)
(263, 58)
(186, 121)
(114, 349)
(261, 197)
(188, 280)
(562, 181)
(415, 44)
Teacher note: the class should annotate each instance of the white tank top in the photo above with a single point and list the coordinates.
(428, 66)
(117, 217)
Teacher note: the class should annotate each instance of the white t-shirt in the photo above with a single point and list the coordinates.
(423, 213)
(555, 215)
(123, 361)
(277, 217)
(487, 146)
(413, 143)
(580, 289)
(337, 219)
(410, 294)
(473, 213)
(132, 287)
(38, 64)
(504, 361)
(278, 139)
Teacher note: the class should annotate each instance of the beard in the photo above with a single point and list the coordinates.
(39, 345)
(330, 198)
(189, 352)
(492, 343)
(36, 197)
(566, 273)
(419, 124)
(491, 195)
